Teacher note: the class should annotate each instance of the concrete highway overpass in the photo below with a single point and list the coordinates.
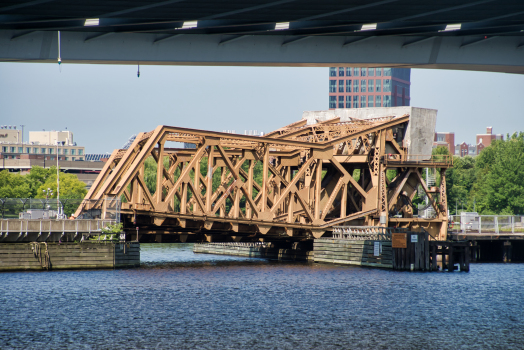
(485, 35)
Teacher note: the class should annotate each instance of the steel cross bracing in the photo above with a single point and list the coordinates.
(316, 177)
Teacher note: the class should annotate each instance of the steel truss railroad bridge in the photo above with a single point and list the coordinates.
(317, 173)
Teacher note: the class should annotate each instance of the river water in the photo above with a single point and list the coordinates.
(181, 300)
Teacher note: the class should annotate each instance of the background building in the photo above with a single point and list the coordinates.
(41, 145)
(354, 87)
(447, 139)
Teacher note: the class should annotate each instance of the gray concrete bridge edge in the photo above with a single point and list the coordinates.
(501, 54)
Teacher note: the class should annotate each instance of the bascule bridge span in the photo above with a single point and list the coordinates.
(342, 167)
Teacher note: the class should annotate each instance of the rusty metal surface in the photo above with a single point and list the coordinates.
(316, 176)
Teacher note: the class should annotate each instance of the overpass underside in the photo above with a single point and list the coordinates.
(332, 168)
(482, 35)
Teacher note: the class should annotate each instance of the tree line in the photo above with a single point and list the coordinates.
(37, 182)
(490, 183)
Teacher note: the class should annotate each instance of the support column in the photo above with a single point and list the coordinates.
(264, 178)
(209, 178)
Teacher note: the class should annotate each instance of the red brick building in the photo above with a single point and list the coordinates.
(354, 87)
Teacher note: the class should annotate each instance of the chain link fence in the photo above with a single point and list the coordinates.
(42, 208)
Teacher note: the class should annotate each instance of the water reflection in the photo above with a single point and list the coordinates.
(179, 300)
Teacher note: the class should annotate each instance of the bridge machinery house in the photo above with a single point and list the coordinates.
(338, 167)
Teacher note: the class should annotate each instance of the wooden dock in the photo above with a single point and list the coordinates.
(59, 256)
(353, 252)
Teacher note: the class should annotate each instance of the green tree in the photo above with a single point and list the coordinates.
(70, 187)
(499, 188)
(37, 177)
(13, 185)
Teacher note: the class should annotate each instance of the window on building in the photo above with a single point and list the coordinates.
(4, 149)
(341, 102)
(355, 101)
(387, 101)
(378, 72)
(355, 85)
(332, 86)
(362, 86)
(42, 150)
(52, 158)
(370, 101)
(348, 101)
(332, 101)
(356, 71)
(362, 101)
(59, 151)
(371, 86)
(341, 71)
(441, 138)
(13, 149)
(332, 72)
(387, 72)
(379, 85)
(341, 86)
(73, 152)
(387, 85)
(371, 72)
(378, 101)
(348, 71)
(50, 151)
(363, 72)
(80, 152)
(348, 85)
(35, 150)
(65, 151)
(28, 150)
(67, 158)
(20, 149)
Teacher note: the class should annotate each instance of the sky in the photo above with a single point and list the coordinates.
(103, 105)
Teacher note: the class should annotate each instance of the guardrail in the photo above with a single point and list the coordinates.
(24, 226)
(489, 224)
(418, 158)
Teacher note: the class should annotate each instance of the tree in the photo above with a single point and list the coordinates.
(500, 177)
(70, 187)
(13, 185)
(37, 177)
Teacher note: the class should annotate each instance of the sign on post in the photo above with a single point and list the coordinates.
(399, 240)
(414, 238)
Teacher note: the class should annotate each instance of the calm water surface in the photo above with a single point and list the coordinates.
(181, 300)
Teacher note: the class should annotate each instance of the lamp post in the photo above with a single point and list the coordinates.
(58, 206)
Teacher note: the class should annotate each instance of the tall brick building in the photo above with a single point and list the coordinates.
(355, 87)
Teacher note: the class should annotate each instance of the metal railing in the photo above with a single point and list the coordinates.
(414, 158)
(376, 233)
(488, 224)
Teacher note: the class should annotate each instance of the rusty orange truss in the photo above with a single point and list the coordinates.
(314, 177)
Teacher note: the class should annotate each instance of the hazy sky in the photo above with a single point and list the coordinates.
(105, 104)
